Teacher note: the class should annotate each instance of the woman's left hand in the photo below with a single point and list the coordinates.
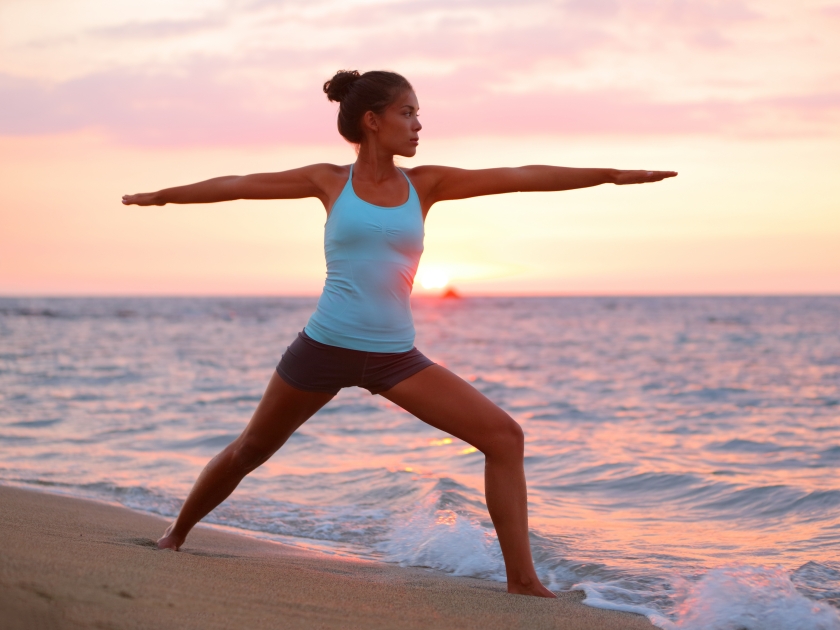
(641, 177)
(142, 199)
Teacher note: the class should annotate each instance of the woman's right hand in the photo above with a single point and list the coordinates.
(142, 199)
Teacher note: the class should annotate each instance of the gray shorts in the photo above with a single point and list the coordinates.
(316, 367)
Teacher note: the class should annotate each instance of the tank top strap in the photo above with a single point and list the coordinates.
(411, 190)
(349, 183)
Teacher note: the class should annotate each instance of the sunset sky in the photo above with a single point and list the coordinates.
(101, 98)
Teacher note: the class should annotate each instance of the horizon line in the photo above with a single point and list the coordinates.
(413, 296)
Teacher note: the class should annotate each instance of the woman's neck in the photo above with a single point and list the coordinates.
(374, 164)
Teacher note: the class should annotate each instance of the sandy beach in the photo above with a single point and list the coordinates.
(72, 563)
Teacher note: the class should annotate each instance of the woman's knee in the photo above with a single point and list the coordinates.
(247, 454)
(506, 438)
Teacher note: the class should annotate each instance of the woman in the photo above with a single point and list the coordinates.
(361, 333)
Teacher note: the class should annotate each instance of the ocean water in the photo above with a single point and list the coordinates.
(682, 453)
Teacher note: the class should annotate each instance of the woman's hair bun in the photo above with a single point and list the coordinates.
(336, 88)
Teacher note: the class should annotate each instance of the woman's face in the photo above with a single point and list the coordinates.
(398, 128)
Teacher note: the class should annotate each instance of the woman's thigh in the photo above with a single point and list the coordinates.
(280, 412)
(447, 402)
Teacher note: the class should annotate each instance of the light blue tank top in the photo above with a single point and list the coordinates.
(372, 255)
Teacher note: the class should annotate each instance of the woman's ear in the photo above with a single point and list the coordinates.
(370, 121)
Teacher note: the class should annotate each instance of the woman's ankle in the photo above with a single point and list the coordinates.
(526, 585)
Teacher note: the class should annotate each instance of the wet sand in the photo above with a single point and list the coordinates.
(71, 563)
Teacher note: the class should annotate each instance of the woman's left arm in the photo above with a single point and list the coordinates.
(444, 183)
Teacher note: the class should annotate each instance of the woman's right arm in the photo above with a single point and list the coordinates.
(308, 181)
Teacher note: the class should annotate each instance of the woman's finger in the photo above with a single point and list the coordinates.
(644, 177)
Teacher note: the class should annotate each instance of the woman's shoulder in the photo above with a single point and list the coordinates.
(323, 169)
(423, 171)
(327, 177)
(426, 178)
(427, 174)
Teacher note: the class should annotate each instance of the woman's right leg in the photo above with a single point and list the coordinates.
(281, 411)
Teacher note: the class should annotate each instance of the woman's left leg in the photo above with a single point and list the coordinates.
(447, 402)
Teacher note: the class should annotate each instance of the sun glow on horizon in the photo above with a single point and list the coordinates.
(433, 278)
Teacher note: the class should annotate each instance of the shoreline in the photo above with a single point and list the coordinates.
(67, 562)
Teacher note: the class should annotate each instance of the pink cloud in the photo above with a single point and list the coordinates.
(831, 10)
(160, 28)
(483, 66)
(208, 111)
(165, 111)
(625, 112)
(692, 13)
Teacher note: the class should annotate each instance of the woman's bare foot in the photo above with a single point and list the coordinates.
(533, 588)
(170, 540)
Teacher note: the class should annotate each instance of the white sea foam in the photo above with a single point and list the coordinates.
(611, 597)
(729, 598)
(445, 540)
(752, 598)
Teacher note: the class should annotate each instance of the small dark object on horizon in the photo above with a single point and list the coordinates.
(451, 293)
